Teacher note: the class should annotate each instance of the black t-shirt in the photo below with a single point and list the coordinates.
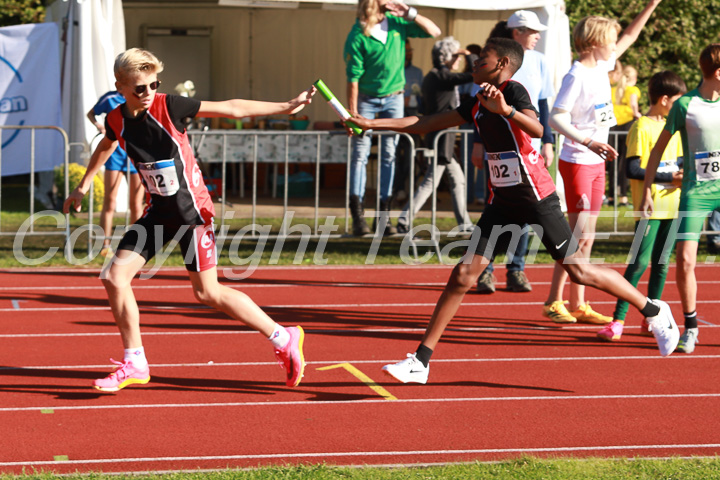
(439, 92)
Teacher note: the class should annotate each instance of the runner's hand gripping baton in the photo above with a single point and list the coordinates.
(337, 106)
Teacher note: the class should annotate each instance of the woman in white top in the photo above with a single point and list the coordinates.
(583, 113)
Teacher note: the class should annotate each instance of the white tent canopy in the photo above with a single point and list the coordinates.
(244, 46)
(92, 35)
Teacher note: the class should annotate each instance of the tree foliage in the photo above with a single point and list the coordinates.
(17, 12)
(673, 38)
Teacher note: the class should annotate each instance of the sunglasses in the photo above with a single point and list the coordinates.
(140, 89)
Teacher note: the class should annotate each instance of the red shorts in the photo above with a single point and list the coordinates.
(584, 186)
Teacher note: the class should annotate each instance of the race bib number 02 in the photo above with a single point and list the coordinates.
(504, 169)
(160, 177)
(604, 115)
(707, 166)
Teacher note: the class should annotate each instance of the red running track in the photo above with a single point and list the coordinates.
(504, 381)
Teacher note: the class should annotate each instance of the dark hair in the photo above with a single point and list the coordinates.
(710, 59)
(474, 50)
(505, 47)
(501, 30)
(665, 83)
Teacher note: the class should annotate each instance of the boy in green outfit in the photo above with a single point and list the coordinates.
(696, 115)
(657, 233)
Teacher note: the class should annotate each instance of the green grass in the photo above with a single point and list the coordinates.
(520, 469)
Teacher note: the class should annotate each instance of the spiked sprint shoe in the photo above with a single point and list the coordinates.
(585, 314)
(409, 370)
(664, 329)
(611, 332)
(558, 312)
(291, 358)
(125, 374)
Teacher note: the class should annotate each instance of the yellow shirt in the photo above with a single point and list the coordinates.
(623, 110)
(640, 141)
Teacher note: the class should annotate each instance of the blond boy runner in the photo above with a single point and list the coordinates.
(149, 127)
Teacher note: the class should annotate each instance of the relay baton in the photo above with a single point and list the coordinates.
(337, 106)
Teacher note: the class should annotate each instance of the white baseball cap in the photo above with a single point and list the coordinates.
(527, 19)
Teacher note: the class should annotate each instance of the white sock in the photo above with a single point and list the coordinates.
(280, 337)
(136, 356)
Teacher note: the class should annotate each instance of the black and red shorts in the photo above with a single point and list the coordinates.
(149, 235)
(500, 227)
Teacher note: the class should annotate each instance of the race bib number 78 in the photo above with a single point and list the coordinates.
(707, 166)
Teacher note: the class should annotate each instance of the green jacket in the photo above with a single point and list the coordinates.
(379, 69)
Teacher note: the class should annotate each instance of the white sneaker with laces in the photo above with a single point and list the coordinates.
(409, 370)
(664, 329)
(688, 340)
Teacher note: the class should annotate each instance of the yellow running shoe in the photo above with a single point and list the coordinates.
(585, 314)
(558, 313)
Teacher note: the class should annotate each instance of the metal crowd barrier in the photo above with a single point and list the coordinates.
(66, 145)
(253, 159)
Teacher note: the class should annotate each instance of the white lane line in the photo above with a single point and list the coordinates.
(279, 268)
(285, 455)
(316, 331)
(327, 306)
(379, 401)
(188, 286)
(380, 362)
(289, 284)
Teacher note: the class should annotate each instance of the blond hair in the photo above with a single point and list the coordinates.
(623, 82)
(136, 60)
(593, 31)
(368, 13)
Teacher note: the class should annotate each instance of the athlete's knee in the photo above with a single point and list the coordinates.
(582, 273)
(115, 279)
(109, 204)
(207, 295)
(464, 276)
(685, 260)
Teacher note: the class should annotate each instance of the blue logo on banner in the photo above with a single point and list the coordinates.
(13, 104)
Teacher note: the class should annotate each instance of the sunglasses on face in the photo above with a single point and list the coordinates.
(140, 89)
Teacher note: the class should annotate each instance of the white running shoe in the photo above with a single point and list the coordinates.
(409, 370)
(664, 329)
(688, 340)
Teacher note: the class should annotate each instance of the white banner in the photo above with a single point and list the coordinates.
(30, 95)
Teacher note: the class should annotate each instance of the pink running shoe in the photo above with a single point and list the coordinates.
(291, 358)
(611, 332)
(125, 374)
(645, 328)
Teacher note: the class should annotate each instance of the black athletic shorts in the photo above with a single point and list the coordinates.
(501, 226)
(148, 236)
